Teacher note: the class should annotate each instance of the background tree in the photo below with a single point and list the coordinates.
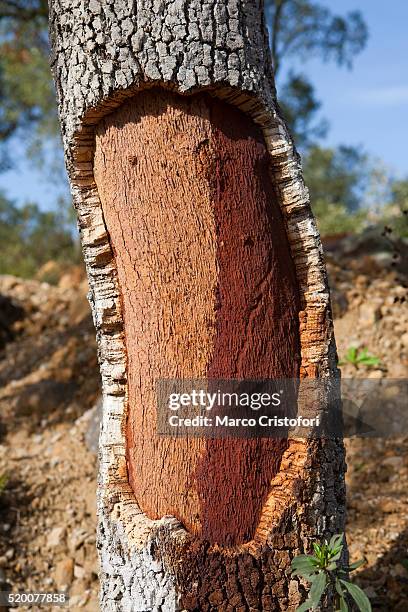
(28, 123)
(338, 180)
(26, 90)
(303, 29)
(299, 29)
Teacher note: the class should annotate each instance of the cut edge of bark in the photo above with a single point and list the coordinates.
(316, 333)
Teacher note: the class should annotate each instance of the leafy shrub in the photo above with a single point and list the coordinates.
(358, 357)
(325, 571)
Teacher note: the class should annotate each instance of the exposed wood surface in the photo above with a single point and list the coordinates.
(208, 289)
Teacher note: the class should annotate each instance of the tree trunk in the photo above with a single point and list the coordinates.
(204, 262)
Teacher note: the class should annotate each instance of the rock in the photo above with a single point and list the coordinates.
(369, 314)
(56, 537)
(76, 539)
(404, 340)
(80, 593)
(80, 556)
(78, 601)
(79, 572)
(64, 573)
(375, 374)
(388, 506)
(393, 461)
(50, 272)
(72, 278)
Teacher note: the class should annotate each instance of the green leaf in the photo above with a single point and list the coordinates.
(338, 587)
(331, 567)
(307, 605)
(307, 576)
(367, 359)
(370, 361)
(356, 564)
(358, 595)
(303, 570)
(318, 588)
(336, 541)
(342, 601)
(317, 549)
(305, 562)
(315, 594)
(336, 556)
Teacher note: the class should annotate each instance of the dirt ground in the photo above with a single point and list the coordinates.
(49, 385)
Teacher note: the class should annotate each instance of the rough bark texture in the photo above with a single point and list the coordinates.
(105, 53)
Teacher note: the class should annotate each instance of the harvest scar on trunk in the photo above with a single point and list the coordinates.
(208, 290)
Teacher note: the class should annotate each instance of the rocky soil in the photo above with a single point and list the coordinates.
(49, 383)
(370, 296)
(49, 387)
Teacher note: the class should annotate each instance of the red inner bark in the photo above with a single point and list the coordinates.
(189, 203)
(257, 320)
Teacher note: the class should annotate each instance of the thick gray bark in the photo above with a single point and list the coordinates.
(103, 52)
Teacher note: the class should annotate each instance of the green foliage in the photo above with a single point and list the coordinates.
(305, 29)
(34, 10)
(300, 106)
(395, 214)
(324, 570)
(27, 98)
(360, 357)
(30, 237)
(299, 28)
(336, 219)
(348, 190)
(3, 482)
(337, 176)
(337, 180)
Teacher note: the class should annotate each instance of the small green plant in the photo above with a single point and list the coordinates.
(325, 571)
(3, 482)
(360, 357)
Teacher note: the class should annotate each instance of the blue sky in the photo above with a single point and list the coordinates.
(367, 106)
